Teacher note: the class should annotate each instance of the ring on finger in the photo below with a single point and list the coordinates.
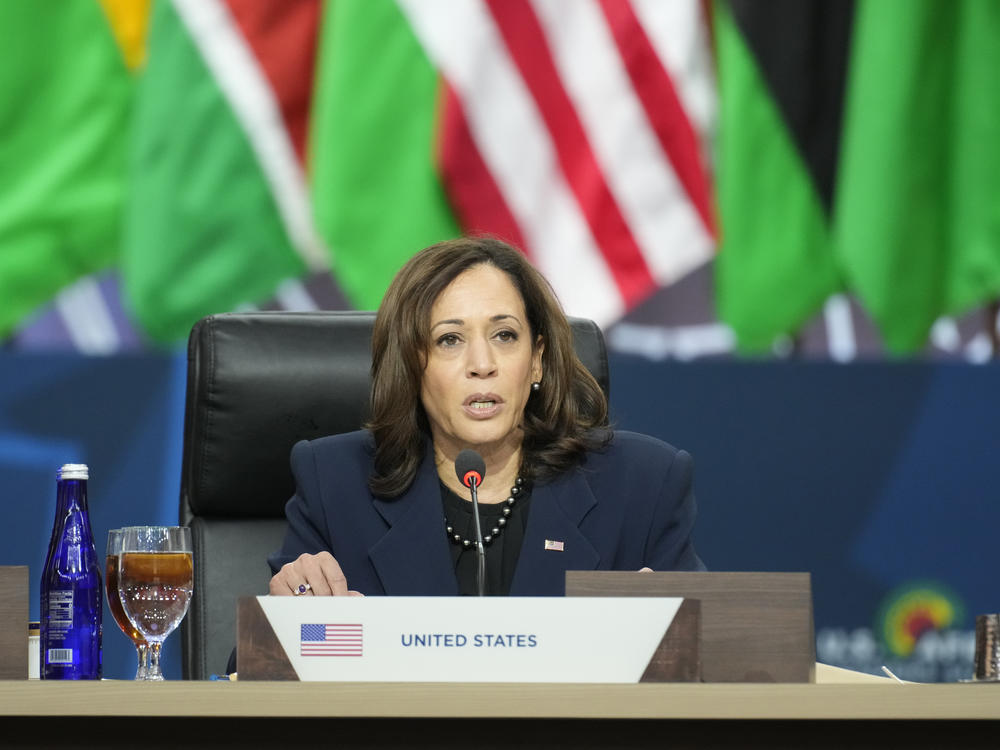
(303, 588)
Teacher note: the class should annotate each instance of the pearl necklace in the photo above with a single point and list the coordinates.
(515, 493)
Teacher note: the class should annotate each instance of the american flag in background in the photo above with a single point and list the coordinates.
(579, 131)
(331, 640)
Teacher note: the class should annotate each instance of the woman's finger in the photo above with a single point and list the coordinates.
(285, 581)
(312, 581)
(333, 577)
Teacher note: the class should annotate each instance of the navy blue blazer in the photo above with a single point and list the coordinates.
(627, 506)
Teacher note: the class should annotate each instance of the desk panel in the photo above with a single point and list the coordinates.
(367, 715)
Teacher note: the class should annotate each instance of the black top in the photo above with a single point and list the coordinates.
(501, 555)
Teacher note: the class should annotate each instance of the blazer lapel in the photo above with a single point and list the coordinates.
(557, 508)
(412, 558)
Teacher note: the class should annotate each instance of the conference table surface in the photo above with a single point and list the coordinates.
(115, 698)
(293, 714)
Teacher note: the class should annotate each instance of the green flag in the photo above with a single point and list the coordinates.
(65, 94)
(918, 207)
(376, 191)
(203, 233)
(859, 150)
(775, 266)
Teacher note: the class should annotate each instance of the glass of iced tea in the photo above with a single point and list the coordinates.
(115, 602)
(155, 583)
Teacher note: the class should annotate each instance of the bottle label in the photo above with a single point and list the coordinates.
(60, 656)
(60, 613)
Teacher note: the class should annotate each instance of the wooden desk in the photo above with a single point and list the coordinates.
(290, 714)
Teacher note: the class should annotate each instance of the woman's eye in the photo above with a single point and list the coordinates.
(507, 336)
(449, 339)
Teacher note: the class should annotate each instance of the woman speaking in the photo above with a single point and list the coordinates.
(471, 350)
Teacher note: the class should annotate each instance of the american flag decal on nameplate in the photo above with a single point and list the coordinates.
(335, 639)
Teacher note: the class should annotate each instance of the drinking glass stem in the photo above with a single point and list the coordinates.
(142, 649)
(153, 670)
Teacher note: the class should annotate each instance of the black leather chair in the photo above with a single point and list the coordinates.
(257, 384)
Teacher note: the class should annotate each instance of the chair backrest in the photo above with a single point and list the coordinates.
(257, 384)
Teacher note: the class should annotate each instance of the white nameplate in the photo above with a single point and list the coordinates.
(468, 639)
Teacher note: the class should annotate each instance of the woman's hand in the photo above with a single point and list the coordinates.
(311, 575)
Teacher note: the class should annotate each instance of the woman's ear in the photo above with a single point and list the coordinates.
(536, 359)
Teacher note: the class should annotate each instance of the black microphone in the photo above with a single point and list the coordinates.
(470, 468)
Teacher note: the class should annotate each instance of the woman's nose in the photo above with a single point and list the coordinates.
(481, 361)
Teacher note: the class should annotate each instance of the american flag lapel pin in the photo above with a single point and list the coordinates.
(554, 545)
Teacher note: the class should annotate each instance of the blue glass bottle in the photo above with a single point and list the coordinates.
(72, 590)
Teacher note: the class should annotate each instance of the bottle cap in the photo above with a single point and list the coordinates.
(74, 471)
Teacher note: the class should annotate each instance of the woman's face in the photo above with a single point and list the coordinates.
(480, 364)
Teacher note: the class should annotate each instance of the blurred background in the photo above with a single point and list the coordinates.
(785, 214)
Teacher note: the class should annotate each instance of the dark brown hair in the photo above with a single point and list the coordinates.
(561, 421)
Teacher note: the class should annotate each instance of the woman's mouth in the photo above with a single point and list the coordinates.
(482, 405)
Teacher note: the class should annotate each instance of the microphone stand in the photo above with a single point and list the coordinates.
(480, 549)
